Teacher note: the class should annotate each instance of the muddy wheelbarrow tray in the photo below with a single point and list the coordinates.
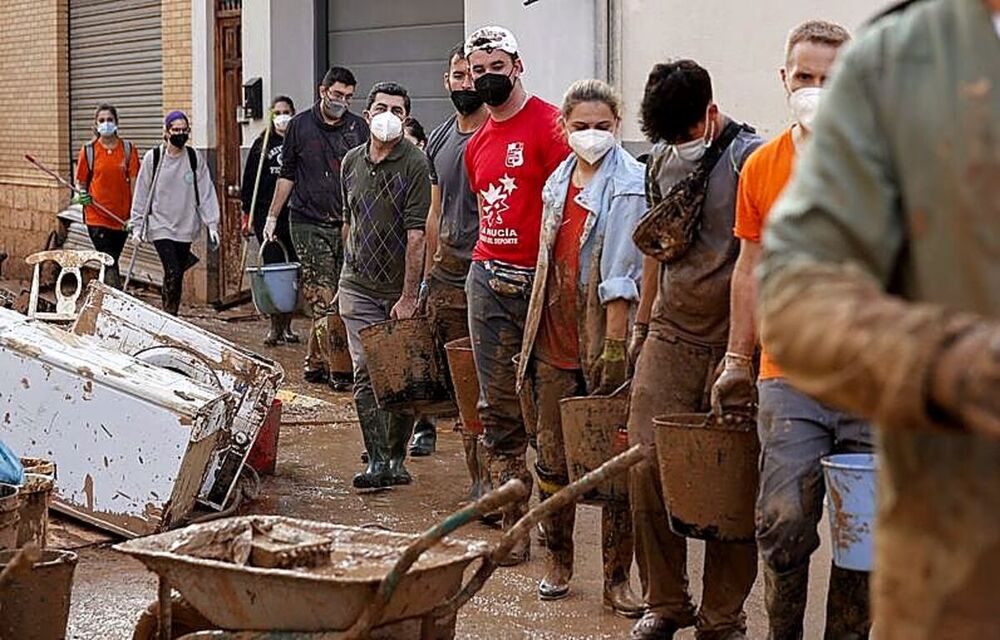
(331, 598)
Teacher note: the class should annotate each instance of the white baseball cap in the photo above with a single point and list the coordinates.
(489, 39)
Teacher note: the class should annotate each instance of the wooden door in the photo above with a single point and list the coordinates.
(226, 285)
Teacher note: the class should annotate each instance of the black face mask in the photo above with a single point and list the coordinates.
(466, 101)
(494, 88)
(178, 139)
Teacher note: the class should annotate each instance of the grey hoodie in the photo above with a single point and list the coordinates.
(174, 214)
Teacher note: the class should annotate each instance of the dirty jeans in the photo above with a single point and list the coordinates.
(673, 376)
(496, 324)
(359, 311)
(795, 432)
(174, 257)
(320, 249)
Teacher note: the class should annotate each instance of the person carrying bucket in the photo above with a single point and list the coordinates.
(585, 291)
(106, 171)
(795, 430)
(267, 229)
(880, 295)
(699, 151)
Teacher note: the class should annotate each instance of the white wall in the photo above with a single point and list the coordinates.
(559, 39)
(740, 43)
(203, 74)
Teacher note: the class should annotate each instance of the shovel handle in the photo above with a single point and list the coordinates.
(512, 491)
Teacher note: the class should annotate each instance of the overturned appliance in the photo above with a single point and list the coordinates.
(133, 441)
(130, 326)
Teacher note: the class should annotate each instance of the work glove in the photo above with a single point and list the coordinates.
(82, 198)
(422, 295)
(965, 384)
(269, 226)
(639, 332)
(734, 387)
(611, 368)
(213, 237)
(245, 226)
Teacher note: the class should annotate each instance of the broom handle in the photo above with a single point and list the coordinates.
(253, 198)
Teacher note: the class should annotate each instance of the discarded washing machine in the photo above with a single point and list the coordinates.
(133, 441)
(131, 326)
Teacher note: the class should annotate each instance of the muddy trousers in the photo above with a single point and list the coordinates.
(795, 432)
(385, 433)
(320, 250)
(550, 386)
(674, 376)
(174, 258)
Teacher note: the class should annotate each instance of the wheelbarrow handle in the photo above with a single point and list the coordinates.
(568, 495)
(512, 491)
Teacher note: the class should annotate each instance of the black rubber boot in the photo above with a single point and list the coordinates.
(374, 432)
(274, 334)
(847, 613)
(785, 600)
(400, 428)
(287, 334)
(424, 440)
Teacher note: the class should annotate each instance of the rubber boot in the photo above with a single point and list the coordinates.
(504, 468)
(559, 537)
(400, 428)
(485, 481)
(470, 444)
(847, 613)
(287, 334)
(617, 551)
(785, 600)
(374, 430)
(424, 437)
(274, 333)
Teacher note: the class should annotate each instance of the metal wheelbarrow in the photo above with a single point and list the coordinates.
(379, 593)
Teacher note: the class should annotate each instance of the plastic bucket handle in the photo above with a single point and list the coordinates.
(260, 252)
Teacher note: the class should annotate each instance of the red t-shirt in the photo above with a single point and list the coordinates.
(508, 163)
(558, 343)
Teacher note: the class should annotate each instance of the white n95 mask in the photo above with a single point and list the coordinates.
(591, 144)
(386, 126)
(804, 102)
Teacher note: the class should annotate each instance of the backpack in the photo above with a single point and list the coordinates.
(88, 152)
(192, 160)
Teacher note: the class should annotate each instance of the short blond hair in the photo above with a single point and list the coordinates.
(592, 90)
(818, 31)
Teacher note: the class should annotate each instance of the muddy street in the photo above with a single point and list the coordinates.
(318, 453)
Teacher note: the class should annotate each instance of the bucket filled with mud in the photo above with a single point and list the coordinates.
(708, 468)
(33, 514)
(407, 371)
(595, 429)
(34, 599)
(464, 380)
(850, 498)
(10, 503)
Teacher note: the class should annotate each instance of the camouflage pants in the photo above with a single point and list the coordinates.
(320, 249)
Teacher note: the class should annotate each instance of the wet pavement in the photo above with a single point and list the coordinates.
(315, 465)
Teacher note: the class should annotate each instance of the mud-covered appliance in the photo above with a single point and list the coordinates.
(133, 441)
(128, 325)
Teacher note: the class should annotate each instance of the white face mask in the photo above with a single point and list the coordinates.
(591, 144)
(694, 150)
(107, 128)
(386, 126)
(803, 103)
(281, 121)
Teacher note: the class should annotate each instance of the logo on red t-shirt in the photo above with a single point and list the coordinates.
(515, 154)
(494, 205)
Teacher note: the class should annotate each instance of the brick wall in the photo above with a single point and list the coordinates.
(34, 116)
(175, 25)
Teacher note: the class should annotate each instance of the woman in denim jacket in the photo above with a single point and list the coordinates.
(585, 292)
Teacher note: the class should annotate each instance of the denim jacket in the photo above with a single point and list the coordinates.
(610, 263)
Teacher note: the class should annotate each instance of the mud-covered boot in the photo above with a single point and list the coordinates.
(274, 333)
(559, 565)
(785, 600)
(470, 444)
(374, 432)
(287, 334)
(502, 469)
(399, 435)
(424, 437)
(617, 551)
(485, 481)
(847, 613)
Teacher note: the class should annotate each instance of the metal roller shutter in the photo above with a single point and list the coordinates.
(406, 42)
(114, 56)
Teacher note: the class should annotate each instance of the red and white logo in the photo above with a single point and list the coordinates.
(515, 154)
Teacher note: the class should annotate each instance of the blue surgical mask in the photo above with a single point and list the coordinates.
(107, 128)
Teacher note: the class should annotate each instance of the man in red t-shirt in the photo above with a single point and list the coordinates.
(508, 161)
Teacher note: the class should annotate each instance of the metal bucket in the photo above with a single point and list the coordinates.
(462, 367)
(35, 605)
(10, 503)
(275, 287)
(708, 467)
(36, 493)
(406, 370)
(850, 486)
(595, 429)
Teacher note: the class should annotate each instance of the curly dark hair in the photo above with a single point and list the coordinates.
(676, 97)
